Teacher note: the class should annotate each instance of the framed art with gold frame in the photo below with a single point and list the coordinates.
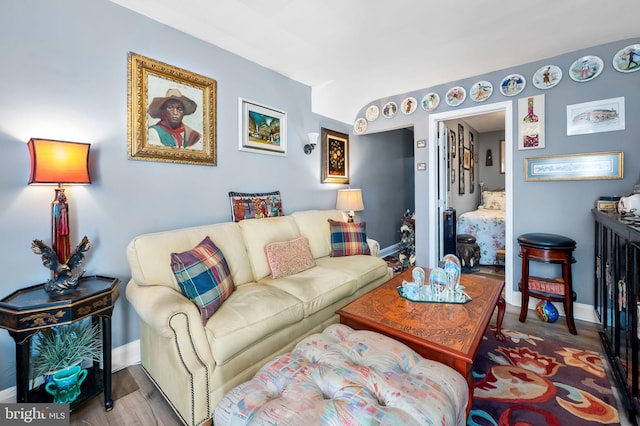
(171, 113)
(587, 166)
(335, 156)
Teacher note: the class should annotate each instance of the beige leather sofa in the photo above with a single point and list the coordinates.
(195, 365)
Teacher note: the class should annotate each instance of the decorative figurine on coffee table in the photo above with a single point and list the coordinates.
(65, 274)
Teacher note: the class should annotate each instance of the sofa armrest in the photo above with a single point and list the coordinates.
(169, 314)
(374, 246)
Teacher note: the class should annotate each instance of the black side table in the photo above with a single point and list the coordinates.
(29, 310)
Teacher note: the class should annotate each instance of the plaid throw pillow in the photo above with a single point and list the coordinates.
(203, 276)
(348, 239)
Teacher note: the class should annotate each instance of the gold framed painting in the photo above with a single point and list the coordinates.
(171, 113)
(335, 156)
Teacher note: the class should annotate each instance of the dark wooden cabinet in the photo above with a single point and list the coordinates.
(25, 312)
(617, 299)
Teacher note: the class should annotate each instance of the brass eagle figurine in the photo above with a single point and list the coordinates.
(65, 275)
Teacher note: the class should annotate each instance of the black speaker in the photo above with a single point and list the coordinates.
(449, 234)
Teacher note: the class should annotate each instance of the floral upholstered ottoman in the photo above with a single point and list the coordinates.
(347, 377)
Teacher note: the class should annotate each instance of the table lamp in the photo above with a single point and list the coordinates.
(57, 163)
(350, 200)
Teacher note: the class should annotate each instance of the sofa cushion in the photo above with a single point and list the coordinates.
(348, 239)
(256, 234)
(317, 287)
(203, 276)
(289, 257)
(253, 312)
(313, 225)
(149, 254)
(363, 269)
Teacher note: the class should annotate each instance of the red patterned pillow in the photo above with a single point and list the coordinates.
(255, 206)
(289, 257)
(348, 238)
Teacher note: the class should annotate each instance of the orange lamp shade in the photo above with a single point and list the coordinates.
(58, 162)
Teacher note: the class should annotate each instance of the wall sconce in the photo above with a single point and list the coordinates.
(57, 163)
(350, 200)
(312, 141)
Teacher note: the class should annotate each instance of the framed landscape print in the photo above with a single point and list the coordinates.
(605, 115)
(263, 129)
(171, 113)
(335, 156)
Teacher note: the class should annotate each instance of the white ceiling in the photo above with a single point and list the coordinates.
(352, 52)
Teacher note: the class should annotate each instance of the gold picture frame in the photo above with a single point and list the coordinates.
(189, 136)
(335, 156)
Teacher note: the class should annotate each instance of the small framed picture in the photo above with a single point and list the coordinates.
(335, 156)
(467, 158)
(263, 129)
(605, 115)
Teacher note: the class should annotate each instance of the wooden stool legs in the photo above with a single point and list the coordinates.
(553, 290)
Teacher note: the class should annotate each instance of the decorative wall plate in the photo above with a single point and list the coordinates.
(481, 91)
(512, 85)
(372, 113)
(360, 126)
(586, 68)
(547, 77)
(390, 109)
(430, 101)
(627, 59)
(455, 96)
(409, 105)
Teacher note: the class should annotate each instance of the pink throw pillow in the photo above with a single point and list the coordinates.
(289, 257)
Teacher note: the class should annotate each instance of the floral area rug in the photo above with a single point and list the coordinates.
(526, 380)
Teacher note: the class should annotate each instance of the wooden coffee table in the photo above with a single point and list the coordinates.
(447, 333)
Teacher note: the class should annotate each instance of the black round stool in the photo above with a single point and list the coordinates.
(468, 252)
(548, 248)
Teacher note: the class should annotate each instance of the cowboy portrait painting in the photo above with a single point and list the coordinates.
(172, 113)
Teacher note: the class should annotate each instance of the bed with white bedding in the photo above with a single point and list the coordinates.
(487, 225)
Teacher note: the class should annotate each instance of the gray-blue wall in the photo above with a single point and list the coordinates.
(561, 207)
(64, 77)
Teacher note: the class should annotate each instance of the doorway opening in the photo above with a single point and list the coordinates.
(439, 183)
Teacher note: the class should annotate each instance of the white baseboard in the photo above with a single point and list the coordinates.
(121, 357)
(581, 311)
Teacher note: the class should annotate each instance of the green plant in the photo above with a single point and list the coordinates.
(66, 345)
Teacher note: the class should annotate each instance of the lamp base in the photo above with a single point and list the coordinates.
(60, 225)
(351, 214)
